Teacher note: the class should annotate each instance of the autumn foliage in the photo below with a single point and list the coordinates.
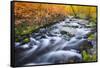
(31, 15)
(37, 13)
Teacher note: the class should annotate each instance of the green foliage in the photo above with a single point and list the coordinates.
(87, 57)
(28, 30)
(24, 28)
(19, 29)
(93, 19)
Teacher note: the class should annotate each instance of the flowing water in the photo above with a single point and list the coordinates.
(62, 42)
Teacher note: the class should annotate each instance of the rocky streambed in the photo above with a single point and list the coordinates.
(62, 42)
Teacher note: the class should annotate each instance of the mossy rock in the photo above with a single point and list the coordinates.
(91, 37)
(92, 24)
(26, 40)
(17, 40)
(88, 26)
